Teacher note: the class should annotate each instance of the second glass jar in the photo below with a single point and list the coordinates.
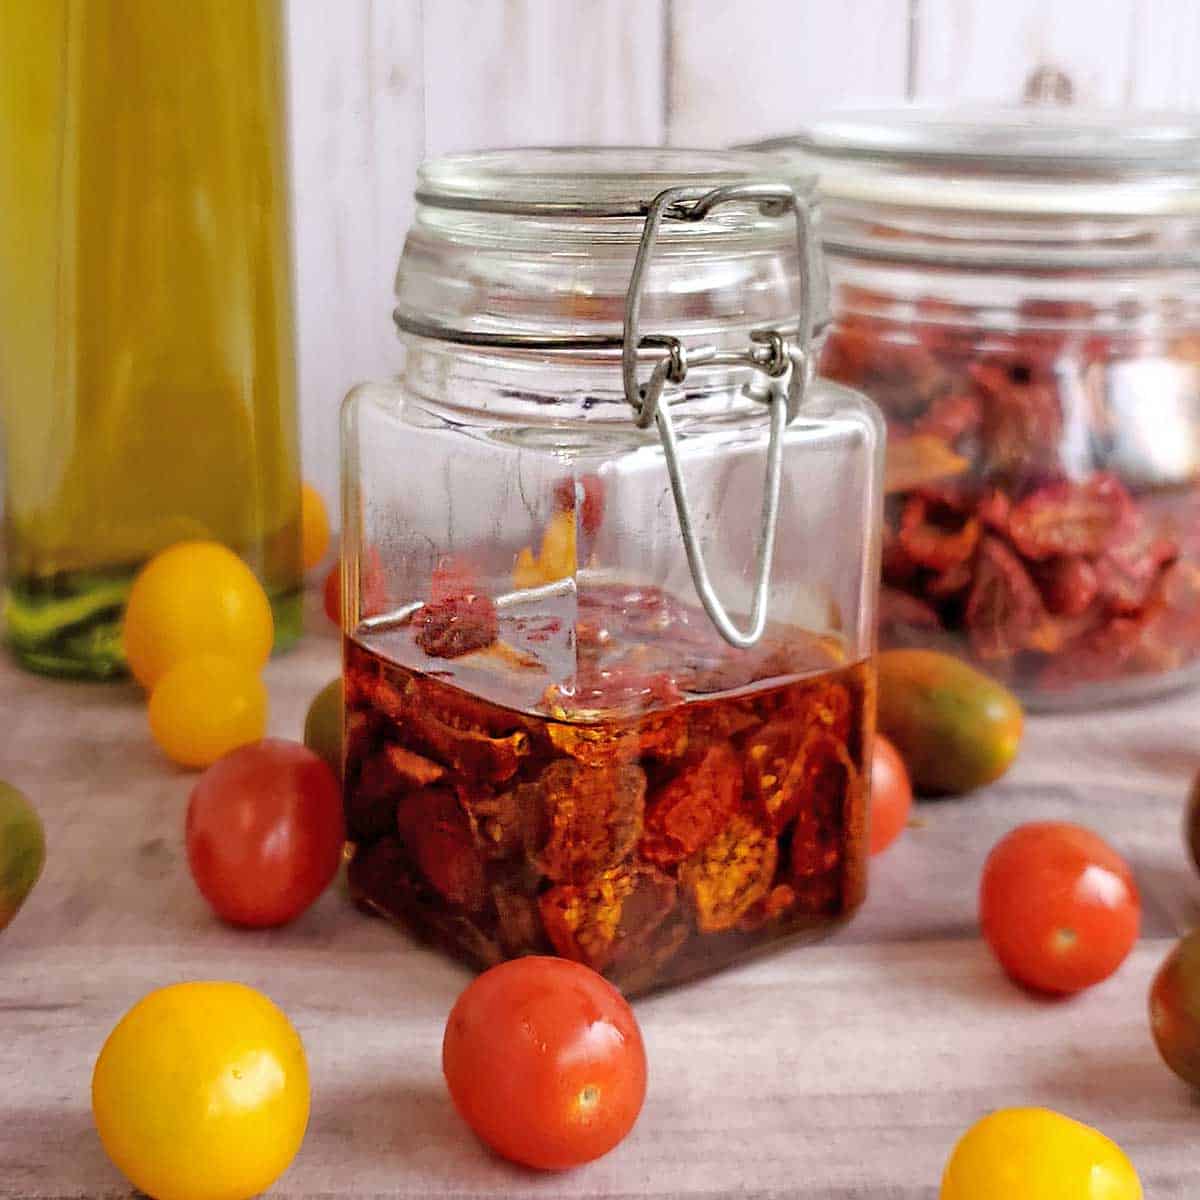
(1020, 293)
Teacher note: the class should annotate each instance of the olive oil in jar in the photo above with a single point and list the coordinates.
(147, 371)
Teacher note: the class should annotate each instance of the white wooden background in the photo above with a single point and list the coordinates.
(377, 85)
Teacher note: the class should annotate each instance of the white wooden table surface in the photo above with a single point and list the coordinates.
(842, 1070)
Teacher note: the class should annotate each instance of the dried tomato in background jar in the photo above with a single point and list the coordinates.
(569, 731)
(1019, 291)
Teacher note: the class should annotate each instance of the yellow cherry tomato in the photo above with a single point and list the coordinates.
(195, 598)
(206, 706)
(556, 558)
(201, 1093)
(1037, 1154)
(314, 526)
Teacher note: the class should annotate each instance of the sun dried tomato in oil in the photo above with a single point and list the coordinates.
(592, 818)
(611, 914)
(692, 806)
(724, 880)
(625, 836)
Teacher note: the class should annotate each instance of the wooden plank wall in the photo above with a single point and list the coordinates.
(376, 85)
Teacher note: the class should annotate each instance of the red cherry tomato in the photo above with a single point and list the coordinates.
(331, 593)
(265, 832)
(1058, 906)
(544, 1060)
(891, 795)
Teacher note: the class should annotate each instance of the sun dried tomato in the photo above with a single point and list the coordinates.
(411, 769)
(993, 510)
(595, 745)
(591, 818)
(369, 814)
(831, 782)
(458, 709)
(935, 536)
(724, 880)
(801, 792)
(448, 727)
(434, 827)
(1022, 421)
(1170, 625)
(1004, 610)
(586, 494)
(903, 378)
(382, 880)
(825, 704)
(1127, 572)
(951, 417)
(690, 809)
(609, 917)
(475, 755)
(1069, 518)
(951, 581)
(1094, 656)
(773, 905)
(502, 822)
(774, 772)
(918, 460)
(900, 610)
(898, 567)
(1069, 585)
(518, 921)
(457, 626)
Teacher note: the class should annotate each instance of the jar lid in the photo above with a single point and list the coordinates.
(1015, 161)
(542, 244)
(588, 181)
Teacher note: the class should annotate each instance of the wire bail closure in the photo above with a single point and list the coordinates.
(782, 372)
(780, 360)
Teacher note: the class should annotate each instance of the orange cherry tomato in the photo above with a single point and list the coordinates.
(314, 526)
(1058, 906)
(544, 1060)
(891, 795)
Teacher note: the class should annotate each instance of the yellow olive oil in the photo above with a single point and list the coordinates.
(147, 374)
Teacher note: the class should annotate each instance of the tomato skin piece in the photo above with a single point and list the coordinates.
(544, 1060)
(891, 795)
(265, 832)
(1058, 906)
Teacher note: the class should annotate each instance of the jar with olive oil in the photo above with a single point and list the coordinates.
(147, 374)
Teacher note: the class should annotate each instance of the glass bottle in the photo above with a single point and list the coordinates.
(609, 613)
(146, 346)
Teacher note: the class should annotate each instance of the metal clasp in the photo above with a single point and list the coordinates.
(782, 372)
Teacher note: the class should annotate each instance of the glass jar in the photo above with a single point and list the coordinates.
(146, 361)
(1020, 294)
(610, 568)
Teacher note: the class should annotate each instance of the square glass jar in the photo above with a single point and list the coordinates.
(608, 677)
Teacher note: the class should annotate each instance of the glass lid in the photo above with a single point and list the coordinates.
(543, 244)
(582, 181)
(1031, 161)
